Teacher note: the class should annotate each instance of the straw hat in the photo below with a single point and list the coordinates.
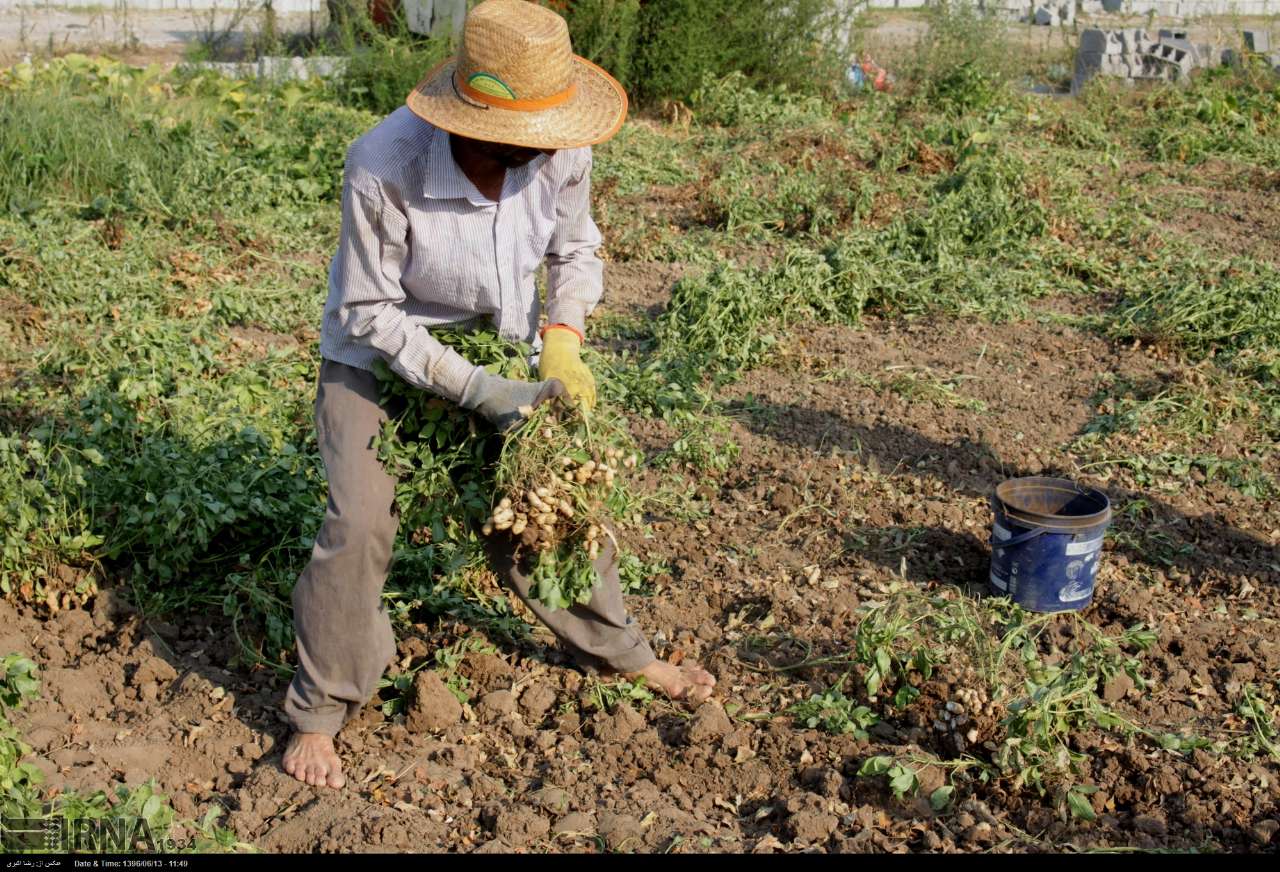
(517, 81)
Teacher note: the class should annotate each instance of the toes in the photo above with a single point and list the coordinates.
(336, 779)
(700, 693)
(699, 676)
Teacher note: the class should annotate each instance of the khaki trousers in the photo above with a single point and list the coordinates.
(344, 634)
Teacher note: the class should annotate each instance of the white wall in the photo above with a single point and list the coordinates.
(34, 6)
(282, 6)
(426, 13)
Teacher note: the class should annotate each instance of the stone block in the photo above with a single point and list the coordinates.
(1088, 60)
(1258, 41)
(1134, 41)
(1178, 63)
(1098, 41)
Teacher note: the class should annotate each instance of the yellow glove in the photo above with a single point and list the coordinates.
(561, 347)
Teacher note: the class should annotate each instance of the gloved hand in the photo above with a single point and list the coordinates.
(501, 399)
(561, 349)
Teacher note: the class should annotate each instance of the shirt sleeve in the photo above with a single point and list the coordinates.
(365, 277)
(575, 275)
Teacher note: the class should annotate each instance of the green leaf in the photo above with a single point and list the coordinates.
(883, 662)
(1080, 805)
(941, 797)
(902, 780)
(873, 681)
(905, 695)
(875, 766)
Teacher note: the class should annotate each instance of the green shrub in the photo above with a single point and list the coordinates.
(964, 62)
(382, 68)
(795, 43)
(43, 525)
(112, 139)
(1225, 310)
(604, 32)
(1224, 113)
(729, 100)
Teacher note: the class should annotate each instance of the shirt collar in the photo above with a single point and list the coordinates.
(445, 180)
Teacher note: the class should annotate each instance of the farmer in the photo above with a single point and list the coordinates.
(449, 205)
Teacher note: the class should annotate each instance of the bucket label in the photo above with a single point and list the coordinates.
(1080, 581)
(1076, 591)
(1077, 548)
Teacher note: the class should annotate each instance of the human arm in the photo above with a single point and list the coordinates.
(574, 286)
(365, 279)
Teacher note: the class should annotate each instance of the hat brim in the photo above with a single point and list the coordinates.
(593, 114)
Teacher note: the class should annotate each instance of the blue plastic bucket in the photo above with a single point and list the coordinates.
(1046, 542)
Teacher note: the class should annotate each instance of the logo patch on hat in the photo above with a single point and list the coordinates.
(491, 85)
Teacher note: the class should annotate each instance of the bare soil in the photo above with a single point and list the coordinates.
(867, 482)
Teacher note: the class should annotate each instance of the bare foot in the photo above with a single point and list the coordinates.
(688, 681)
(310, 758)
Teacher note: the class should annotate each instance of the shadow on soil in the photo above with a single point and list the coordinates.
(1152, 532)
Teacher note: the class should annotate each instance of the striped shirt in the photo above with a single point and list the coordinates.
(421, 247)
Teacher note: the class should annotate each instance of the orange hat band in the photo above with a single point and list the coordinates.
(472, 93)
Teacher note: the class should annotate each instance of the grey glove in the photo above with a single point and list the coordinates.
(501, 399)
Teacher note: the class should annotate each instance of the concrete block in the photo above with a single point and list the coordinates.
(1098, 41)
(1089, 60)
(1178, 62)
(1166, 35)
(1134, 40)
(1257, 40)
(1198, 55)
(1117, 66)
(1113, 5)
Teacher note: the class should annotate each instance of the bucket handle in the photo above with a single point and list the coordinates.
(1016, 540)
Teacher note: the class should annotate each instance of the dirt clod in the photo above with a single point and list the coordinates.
(519, 826)
(1264, 832)
(1150, 824)
(1116, 687)
(552, 799)
(537, 700)
(574, 824)
(811, 827)
(433, 707)
(709, 723)
(621, 832)
(496, 704)
(616, 728)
